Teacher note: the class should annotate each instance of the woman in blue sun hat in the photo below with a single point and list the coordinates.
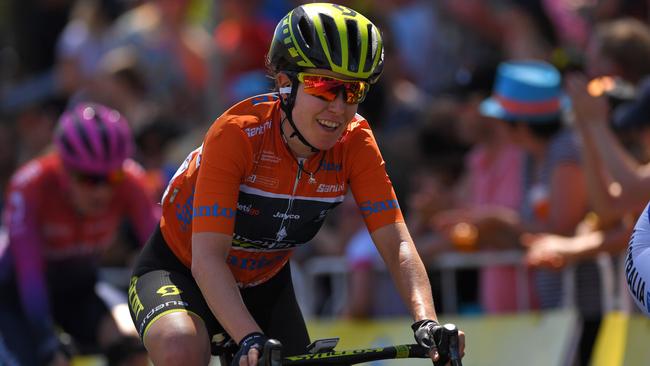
(528, 98)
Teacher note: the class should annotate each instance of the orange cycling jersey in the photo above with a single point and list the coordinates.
(245, 182)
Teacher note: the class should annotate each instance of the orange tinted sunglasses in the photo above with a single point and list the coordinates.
(112, 178)
(328, 87)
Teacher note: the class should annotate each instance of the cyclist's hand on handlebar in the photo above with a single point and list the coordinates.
(250, 349)
(446, 342)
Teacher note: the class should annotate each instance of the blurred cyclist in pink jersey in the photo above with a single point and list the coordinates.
(63, 210)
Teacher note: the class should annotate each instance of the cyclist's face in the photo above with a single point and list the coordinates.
(320, 121)
(90, 198)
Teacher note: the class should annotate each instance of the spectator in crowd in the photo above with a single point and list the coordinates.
(121, 84)
(617, 181)
(241, 38)
(619, 48)
(528, 99)
(84, 41)
(62, 211)
(616, 177)
(492, 179)
(174, 55)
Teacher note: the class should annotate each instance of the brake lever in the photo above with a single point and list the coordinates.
(271, 353)
(454, 350)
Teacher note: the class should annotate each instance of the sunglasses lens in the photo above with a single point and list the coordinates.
(355, 92)
(322, 87)
(327, 88)
(97, 179)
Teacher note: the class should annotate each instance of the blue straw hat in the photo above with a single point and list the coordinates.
(528, 91)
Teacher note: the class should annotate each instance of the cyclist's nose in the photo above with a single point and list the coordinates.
(338, 104)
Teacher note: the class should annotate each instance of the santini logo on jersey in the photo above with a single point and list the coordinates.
(327, 188)
(369, 207)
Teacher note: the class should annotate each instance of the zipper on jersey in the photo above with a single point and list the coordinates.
(282, 232)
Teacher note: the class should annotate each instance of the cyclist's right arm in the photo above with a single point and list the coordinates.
(226, 159)
(26, 245)
(209, 253)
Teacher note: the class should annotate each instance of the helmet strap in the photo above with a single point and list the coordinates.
(287, 104)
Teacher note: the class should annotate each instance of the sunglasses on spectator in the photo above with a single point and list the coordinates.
(328, 88)
(94, 180)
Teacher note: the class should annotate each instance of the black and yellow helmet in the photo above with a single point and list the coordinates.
(327, 36)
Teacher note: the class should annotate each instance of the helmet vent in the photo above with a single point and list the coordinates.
(84, 137)
(305, 31)
(333, 38)
(371, 50)
(66, 144)
(103, 133)
(353, 45)
(121, 144)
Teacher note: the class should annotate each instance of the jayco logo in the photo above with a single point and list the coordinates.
(369, 207)
(282, 215)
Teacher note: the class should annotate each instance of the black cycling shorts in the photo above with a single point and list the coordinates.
(162, 284)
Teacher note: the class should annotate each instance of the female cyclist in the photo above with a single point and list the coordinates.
(268, 172)
(63, 209)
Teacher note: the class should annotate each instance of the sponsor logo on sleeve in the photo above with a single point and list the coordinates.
(186, 212)
(372, 207)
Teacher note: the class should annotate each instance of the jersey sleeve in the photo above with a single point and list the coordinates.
(637, 262)
(369, 182)
(226, 157)
(141, 209)
(20, 218)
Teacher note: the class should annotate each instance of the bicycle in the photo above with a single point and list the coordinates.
(321, 352)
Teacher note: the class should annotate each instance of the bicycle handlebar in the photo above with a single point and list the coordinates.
(272, 353)
(271, 356)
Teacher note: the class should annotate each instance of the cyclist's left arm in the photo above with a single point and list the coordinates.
(26, 246)
(374, 194)
(406, 268)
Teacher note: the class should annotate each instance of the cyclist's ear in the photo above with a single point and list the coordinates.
(283, 84)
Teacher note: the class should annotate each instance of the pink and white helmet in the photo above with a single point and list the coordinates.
(93, 139)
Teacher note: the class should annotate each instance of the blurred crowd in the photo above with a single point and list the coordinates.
(563, 188)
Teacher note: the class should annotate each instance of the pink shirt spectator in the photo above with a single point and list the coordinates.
(495, 179)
